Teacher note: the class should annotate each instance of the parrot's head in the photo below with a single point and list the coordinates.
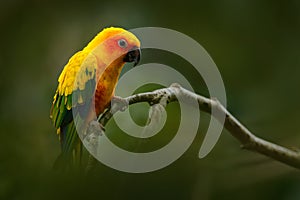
(116, 45)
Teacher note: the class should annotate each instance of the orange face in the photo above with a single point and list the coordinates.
(127, 48)
(118, 45)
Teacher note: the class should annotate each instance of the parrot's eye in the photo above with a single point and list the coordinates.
(122, 43)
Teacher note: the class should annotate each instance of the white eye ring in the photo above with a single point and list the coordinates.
(122, 43)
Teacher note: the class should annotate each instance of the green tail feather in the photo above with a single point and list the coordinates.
(71, 145)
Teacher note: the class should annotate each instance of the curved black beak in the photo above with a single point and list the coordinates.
(133, 56)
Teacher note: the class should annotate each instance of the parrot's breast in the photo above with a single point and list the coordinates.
(106, 87)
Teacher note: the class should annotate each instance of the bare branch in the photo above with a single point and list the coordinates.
(247, 139)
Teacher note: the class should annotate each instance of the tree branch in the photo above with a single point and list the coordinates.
(247, 139)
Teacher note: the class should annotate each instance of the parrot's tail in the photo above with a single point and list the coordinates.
(71, 145)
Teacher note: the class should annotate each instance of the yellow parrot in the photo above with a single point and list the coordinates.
(87, 82)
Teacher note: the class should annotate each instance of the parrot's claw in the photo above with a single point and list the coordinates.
(121, 102)
(96, 128)
(93, 132)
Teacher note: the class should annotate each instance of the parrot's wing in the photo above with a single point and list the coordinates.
(76, 88)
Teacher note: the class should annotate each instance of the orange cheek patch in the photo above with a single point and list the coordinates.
(111, 47)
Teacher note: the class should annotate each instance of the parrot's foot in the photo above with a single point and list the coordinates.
(95, 128)
(93, 133)
(121, 102)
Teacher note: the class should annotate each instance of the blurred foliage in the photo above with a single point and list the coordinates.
(256, 46)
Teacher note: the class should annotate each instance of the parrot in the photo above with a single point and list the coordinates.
(87, 82)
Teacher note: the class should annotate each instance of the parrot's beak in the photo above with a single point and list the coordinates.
(133, 56)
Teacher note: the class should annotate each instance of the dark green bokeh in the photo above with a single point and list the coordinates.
(255, 44)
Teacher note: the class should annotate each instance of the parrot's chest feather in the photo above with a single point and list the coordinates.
(105, 88)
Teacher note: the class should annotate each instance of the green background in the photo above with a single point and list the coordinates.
(256, 46)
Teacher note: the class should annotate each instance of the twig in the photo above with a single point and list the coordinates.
(247, 139)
